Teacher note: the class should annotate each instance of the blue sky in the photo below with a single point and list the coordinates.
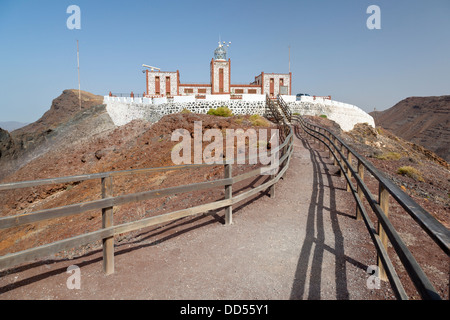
(332, 50)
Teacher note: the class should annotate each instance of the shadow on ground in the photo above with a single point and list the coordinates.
(315, 237)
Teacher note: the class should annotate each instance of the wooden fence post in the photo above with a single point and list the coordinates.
(344, 167)
(285, 162)
(349, 159)
(320, 143)
(329, 143)
(272, 188)
(324, 140)
(335, 152)
(107, 221)
(228, 194)
(317, 140)
(341, 173)
(383, 199)
(359, 189)
(314, 139)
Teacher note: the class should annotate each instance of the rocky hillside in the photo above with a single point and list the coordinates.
(422, 174)
(87, 142)
(63, 124)
(422, 120)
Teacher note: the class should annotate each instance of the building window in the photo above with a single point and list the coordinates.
(188, 90)
(221, 80)
(167, 86)
(201, 90)
(271, 88)
(157, 86)
(252, 91)
(239, 91)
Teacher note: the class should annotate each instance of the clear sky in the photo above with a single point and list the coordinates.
(332, 50)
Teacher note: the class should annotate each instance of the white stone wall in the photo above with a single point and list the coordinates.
(254, 97)
(344, 114)
(184, 99)
(124, 110)
(199, 106)
(161, 100)
(217, 97)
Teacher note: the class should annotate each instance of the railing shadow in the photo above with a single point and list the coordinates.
(314, 242)
(146, 237)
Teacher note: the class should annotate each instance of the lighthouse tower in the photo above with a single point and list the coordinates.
(220, 70)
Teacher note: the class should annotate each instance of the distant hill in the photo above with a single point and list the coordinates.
(422, 120)
(61, 125)
(62, 109)
(11, 125)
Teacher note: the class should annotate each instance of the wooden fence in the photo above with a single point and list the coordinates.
(108, 202)
(343, 156)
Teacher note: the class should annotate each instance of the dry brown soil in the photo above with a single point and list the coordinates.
(302, 244)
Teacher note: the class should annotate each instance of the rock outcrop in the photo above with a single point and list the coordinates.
(60, 125)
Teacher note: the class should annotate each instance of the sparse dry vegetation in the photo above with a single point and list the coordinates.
(410, 172)
(258, 121)
(220, 112)
(389, 156)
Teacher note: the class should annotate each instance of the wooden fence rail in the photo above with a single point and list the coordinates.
(343, 156)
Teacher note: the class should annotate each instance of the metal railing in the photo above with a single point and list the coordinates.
(272, 111)
(126, 95)
(343, 156)
(285, 108)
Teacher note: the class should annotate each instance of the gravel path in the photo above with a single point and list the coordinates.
(302, 244)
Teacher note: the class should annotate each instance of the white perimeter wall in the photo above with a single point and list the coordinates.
(123, 110)
(344, 114)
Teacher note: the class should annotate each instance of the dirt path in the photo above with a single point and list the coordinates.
(302, 244)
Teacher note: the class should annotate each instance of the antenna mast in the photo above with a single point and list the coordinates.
(289, 59)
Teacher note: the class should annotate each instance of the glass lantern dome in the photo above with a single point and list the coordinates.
(221, 52)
